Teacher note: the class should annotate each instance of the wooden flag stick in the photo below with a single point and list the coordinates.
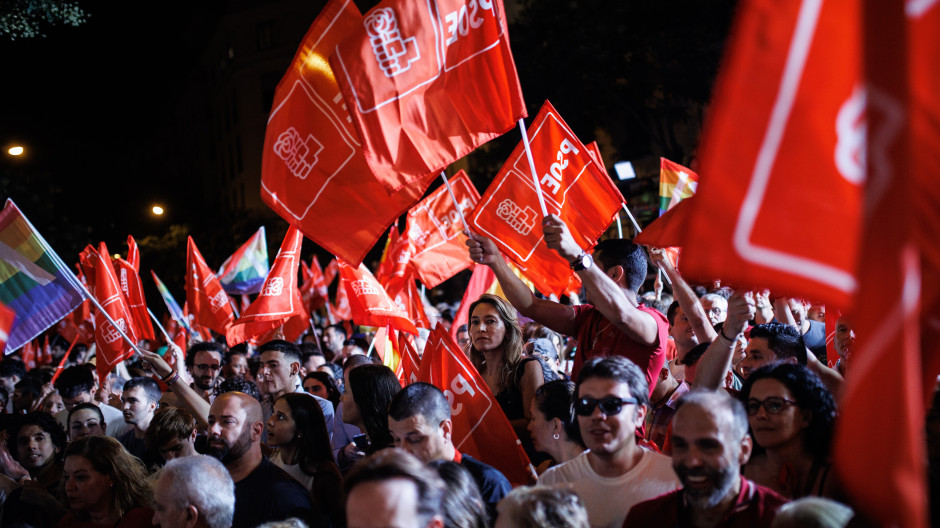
(535, 177)
(456, 205)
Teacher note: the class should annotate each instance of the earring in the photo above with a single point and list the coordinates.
(555, 436)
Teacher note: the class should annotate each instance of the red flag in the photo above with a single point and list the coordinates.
(479, 423)
(832, 318)
(111, 347)
(314, 291)
(436, 232)
(28, 354)
(395, 265)
(6, 324)
(426, 83)
(368, 301)
(409, 301)
(331, 271)
(409, 359)
(671, 228)
(574, 187)
(313, 172)
(279, 301)
(782, 145)
(205, 297)
(133, 291)
(342, 310)
(481, 280)
(133, 253)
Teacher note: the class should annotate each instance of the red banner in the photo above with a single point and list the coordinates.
(426, 83)
(574, 187)
(207, 301)
(395, 265)
(313, 172)
(278, 303)
(409, 301)
(111, 347)
(409, 359)
(133, 253)
(479, 422)
(342, 309)
(314, 292)
(368, 301)
(133, 291)
(436, 232)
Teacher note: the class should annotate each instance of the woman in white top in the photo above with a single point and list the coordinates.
(298, 430)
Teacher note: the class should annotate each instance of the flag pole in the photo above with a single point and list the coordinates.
(61, 365)
(535, 178)
(636, 226)
(313, 327)
(160, 326)
(456, 205)
(619, 227)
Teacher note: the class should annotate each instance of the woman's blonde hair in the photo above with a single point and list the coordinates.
(108, 457)
(512, 341)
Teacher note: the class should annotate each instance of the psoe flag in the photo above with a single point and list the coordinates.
(426, 82)
(34, 282)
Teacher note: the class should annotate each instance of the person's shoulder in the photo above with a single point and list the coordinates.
(482, 470)
(766, 497)
(656, 466)
(658, 511)
(657, 315)
(142, 516)
(565, 472)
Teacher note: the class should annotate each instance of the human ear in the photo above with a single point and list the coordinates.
(747, 446)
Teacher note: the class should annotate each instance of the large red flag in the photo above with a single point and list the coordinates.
(133, 291)
(479, 422)
(111, 347)
(368, 301)
(426, 83)
(670, 229)
(782, 154)
(574, 187)
(395, 265)
(342, 309)
(279, 301)
(313, 172)
(207, 301)
(436, 232)
(409, 359)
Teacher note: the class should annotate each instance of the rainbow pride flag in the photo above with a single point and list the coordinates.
(175, 311)
(244, 272)
(34, 282)
(676, 183)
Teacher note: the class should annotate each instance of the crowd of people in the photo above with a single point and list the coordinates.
(706, 407)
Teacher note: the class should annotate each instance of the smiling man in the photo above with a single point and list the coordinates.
(710, 444)
(204, 361)
(614, 473)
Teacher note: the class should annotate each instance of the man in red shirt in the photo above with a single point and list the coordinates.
(709, 445)
(614, 324)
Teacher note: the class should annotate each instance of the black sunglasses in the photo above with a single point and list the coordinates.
(609, 406)
(773, 405)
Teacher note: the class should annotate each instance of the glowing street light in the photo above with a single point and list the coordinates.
(157, 210)
(16, 150)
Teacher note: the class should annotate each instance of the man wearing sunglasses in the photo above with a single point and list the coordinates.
(612, 398)
(710, 444)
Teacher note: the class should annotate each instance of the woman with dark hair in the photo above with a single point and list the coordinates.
(554, 425)
(791, 414)
(496, 351)
(463, 505)
(104, 485)
(323, 385)
(298, 430)
(366, 401)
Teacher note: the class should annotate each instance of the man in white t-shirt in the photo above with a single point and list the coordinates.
(614, 473)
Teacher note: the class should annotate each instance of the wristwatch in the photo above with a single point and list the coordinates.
(582, 262)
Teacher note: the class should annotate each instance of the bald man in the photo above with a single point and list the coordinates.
(263, 491)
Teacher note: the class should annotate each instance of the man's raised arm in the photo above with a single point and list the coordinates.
(716, 361)
(556, 316)
(685, 296)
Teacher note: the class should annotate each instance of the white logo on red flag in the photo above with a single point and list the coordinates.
(296, 152)
(218, 301)
(273, 287)
(521, 220)
(363, 287)
(109, 333)
(124, 287)
(389, 48)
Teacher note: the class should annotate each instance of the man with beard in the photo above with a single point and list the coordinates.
(263, 491)
(709, 445)
(614, 473)
(204, 361)
(280, 374)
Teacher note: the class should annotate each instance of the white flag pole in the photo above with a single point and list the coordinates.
(160, 326)
(636, 226)
(456, 205)
(535, 178)
(619, 227)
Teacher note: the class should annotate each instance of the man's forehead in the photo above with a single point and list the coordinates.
(227, 407)
(212, 354)
(602, 387)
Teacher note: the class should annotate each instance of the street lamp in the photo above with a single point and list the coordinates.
(16, 150)
(157, 210)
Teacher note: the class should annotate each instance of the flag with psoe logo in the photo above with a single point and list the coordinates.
(479, 423)
(313, 172)
(208, 303)
(368, 301)
(426, 83)
(574, 186)
(278, 303)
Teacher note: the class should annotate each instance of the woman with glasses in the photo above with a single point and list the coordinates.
(496, 351)
(790, 413)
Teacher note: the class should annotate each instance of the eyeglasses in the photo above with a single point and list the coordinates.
(208, 367)
(609, 406)
(772, 405)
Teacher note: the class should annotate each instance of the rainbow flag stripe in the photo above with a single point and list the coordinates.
(245, 271)
(676, 183)
(175, 311)
(33, 281)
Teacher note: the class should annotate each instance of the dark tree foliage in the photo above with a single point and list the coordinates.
(20, 19)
